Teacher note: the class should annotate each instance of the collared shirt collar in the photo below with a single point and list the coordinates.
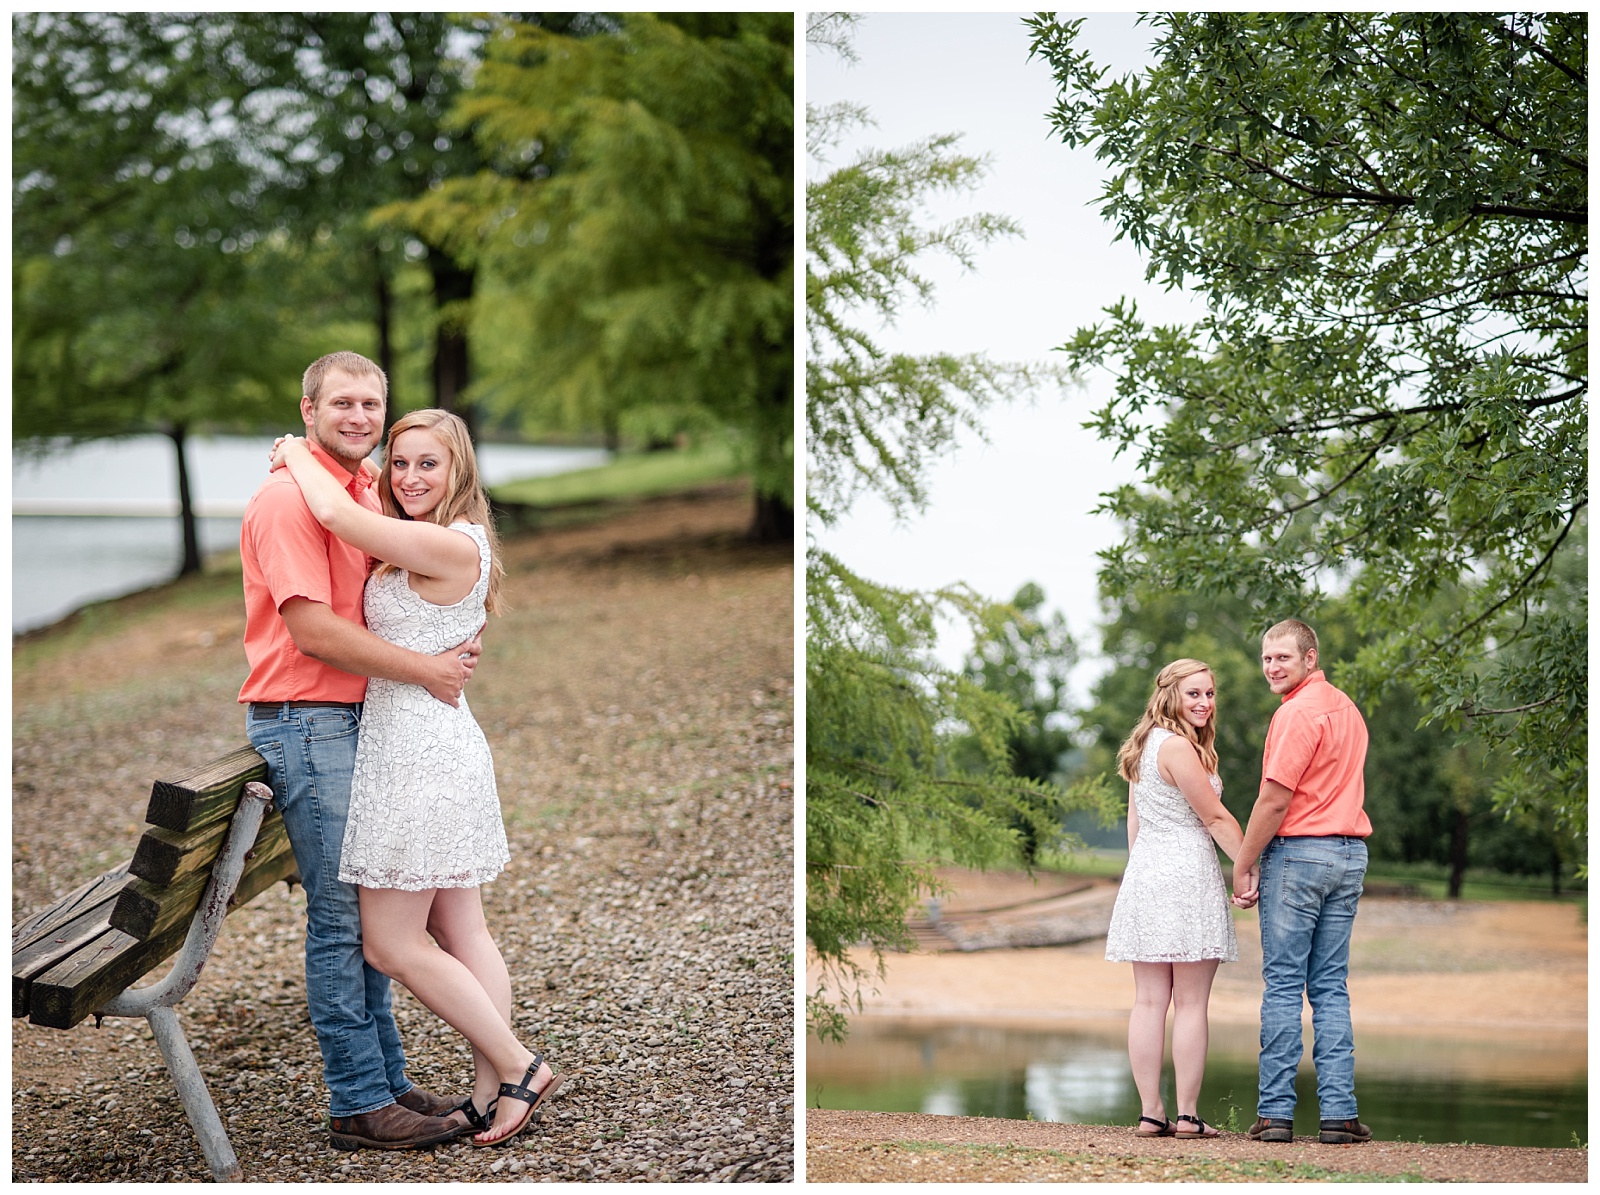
(1310, 677)
(361, 482)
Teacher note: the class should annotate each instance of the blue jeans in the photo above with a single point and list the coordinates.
(1309, 890)
(311, 754)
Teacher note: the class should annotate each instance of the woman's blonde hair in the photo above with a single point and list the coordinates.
(1165, 710)
(464, 499)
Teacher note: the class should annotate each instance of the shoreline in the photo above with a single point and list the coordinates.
(1421, 967)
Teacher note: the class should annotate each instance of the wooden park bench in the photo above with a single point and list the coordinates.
(214, 844)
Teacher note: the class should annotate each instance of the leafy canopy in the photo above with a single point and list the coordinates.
(636, 211)
(152, 285)
(1387, 215)
(886, 803)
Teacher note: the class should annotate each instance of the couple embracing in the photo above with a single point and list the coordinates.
(386, 785)
(1302, 858)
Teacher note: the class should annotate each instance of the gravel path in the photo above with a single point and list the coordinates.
(639, 702)
(911, 1147)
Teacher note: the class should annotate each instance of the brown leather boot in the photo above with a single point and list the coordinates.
(390, 1127)
(425, 1103)
(1344, 1132)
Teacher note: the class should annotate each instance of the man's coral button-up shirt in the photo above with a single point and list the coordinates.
(1317, 748)
(286, 553)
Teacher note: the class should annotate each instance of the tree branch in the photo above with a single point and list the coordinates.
(1527, 580)
(1378, 199)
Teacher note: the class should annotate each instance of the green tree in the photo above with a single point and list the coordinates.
(636, 209)
(151, 290)
(1387, 215)
(191, 212)
(1028, 657)
(885, 802)
(348, 111)
(342, 113)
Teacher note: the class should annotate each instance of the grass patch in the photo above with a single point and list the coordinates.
(1099, 864)
(1431, 880)
(630, 476)
(1425, 881)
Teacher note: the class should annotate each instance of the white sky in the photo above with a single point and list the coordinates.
(1016, 509)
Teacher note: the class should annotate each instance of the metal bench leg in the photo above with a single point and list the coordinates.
(196, 1098)
(155, 1003)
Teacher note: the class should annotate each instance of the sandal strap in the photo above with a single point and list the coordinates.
(1191, 1120)
(1160, 1124)
(521, 1091)
(475, 1119)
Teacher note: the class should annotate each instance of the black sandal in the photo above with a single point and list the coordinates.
(1163, 1127)
(1185, 1135)
(476, 1122)
(521, 1091)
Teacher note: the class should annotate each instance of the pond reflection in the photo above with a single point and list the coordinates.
(1529, 1091)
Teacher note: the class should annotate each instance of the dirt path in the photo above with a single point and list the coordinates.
(638, 699)
(909, 1147)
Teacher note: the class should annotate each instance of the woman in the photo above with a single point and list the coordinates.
(1172, 919)
(425, 828)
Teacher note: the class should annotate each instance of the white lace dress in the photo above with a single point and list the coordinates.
(1172, 906)
(424, 812)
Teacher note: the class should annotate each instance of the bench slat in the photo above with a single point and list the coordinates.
(164, 857)
(75, 987)
(208, 794)
(69, 991)
(43, 953)
(46, 921)
(146, 910)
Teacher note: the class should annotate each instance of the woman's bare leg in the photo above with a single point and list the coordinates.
(1191, 1030)
(395, 938)
(456, 923)
(1147, 1033)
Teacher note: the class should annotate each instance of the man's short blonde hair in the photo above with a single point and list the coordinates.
(1292, 628)
(345, 361)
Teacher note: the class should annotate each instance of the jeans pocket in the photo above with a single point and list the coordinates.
(1305, 882)
(269, 745)
(323, 727)
(267, 739)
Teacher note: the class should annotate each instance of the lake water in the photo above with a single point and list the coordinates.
(1520, 1090)
(100, 519)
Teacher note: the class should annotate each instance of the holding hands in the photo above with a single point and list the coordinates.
(1247, 885)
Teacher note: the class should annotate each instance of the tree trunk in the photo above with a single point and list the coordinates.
(774, 520)
(1458, 853)
(452, 290)
(385, 318)
(770, 431)
(178, 434)
(1555, 869)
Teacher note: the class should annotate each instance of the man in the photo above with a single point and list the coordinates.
(1303, 858)
(310, 655)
